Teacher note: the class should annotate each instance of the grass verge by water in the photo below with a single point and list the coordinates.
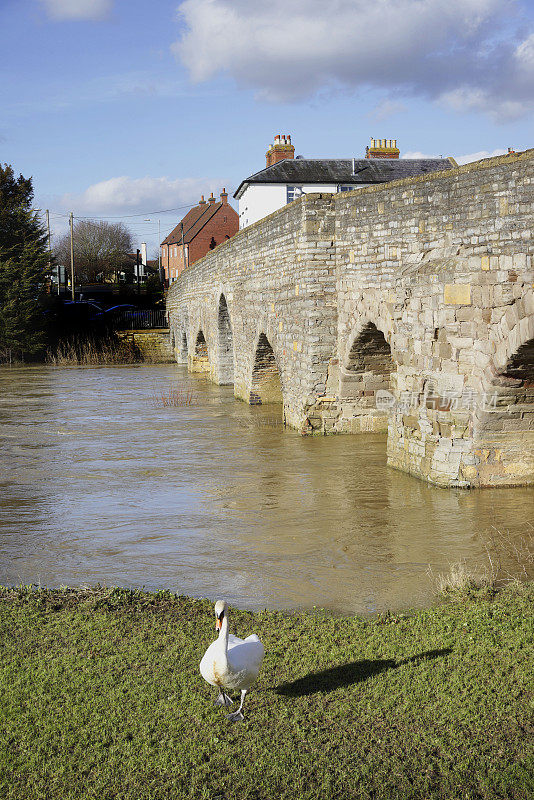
(93, 351)
(101, 698)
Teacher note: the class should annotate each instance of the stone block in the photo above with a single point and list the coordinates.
(457, 294)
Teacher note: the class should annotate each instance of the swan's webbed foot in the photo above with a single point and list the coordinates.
(237, 716)
(223, 700)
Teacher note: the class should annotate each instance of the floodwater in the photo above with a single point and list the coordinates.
(100, 482)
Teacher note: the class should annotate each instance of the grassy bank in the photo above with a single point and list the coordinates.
(101, 698)
(93, 351)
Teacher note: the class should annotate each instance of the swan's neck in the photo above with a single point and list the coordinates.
(223, 635)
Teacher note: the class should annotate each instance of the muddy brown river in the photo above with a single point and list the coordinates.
(148, 476)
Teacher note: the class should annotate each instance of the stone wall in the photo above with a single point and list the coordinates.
(154, 345)
(442, 265)
(273, 281)
(407, 305)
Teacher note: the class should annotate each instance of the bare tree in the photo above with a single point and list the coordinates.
(100, 250)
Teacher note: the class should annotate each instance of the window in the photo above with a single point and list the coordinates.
(293, 192)
(346, 187)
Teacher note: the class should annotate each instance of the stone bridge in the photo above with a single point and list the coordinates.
(405, 307)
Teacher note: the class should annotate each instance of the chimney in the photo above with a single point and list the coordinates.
(382, 148)
(224, 197)
(202, 201)
(211, 198)
(280, 150)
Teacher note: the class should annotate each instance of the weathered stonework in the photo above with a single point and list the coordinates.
(153, 345)
(397, 306)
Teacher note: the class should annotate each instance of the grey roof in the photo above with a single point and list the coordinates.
(344, 170)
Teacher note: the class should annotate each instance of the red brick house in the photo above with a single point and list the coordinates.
(202, 229)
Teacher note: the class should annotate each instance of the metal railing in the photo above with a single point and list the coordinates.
(140, 318)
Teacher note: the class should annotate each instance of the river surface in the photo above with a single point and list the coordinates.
(101, 482)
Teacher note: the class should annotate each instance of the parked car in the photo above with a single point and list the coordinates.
(127, 315)
(82, 309)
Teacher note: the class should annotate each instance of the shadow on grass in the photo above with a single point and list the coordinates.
(346, 674)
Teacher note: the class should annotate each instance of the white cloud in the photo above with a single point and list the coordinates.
(466, 159)
(467, 98)
(463, 159)
(78, 9)
(525, 55)
(418, 154)
(461, 51)
(125, 195)
(132, 201)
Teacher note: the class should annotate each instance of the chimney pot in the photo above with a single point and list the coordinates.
(281, 149)
(202, 201)
(382, 148)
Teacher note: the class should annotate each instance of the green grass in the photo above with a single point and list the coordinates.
(101, 698)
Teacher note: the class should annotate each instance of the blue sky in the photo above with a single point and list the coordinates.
(122, 107)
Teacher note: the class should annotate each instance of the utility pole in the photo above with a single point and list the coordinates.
(50, 249)
(159, 250)
(72, 255)
(137, 270)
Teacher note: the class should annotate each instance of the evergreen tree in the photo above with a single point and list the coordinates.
(23, 269)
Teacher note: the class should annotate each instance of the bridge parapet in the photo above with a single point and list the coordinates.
(406, 306)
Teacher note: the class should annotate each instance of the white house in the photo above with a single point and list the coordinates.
(285, 177)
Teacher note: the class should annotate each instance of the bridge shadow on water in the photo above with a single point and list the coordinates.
(346, 674)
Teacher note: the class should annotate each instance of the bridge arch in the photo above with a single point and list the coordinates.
(513, 330)
(368, 363)
(504, 425)
(266, 380)
(364, 388)
(199, 358)
(225, 342)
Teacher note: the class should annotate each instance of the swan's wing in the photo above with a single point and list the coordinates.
(233, 640)
(245, 659)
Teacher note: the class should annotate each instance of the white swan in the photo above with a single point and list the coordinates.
(231, 663)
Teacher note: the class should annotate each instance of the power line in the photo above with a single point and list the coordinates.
(122, 216)
(131, 216)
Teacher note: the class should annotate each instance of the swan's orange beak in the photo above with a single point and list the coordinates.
(218, 624)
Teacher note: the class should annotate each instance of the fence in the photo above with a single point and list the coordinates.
(126, 320)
